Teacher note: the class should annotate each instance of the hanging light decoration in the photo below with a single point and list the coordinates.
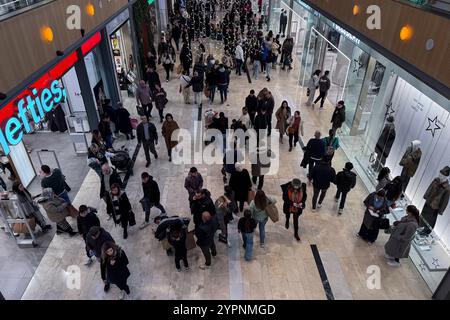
(406, 33)
(46, 34)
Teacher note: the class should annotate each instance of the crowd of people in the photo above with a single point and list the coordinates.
(243, 196)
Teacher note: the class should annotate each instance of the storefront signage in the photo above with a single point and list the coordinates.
(35, 105)
(119, 20)
(346, 34)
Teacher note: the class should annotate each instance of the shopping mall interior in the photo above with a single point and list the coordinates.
(386, 61)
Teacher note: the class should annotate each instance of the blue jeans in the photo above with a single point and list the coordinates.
(256, 66)
(147, 205)
(248, 244)
(212, 90)
(109, 141)
(262, 230)
(65, 196)
(223, 92)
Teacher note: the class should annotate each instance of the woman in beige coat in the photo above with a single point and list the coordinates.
(57, 211)
(283, 114)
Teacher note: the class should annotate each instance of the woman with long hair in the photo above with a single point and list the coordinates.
(282, 115)
(115, 261)
(295, 124)
(120, 208)
(258, 209)
(383, 178)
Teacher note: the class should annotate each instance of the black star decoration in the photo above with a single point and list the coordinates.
(422, 266)
(355, 66)
(434, 123)
(435, 262)
(389, 110)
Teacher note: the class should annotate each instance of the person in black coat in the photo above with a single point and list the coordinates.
(148, 136)
(384, 144)
(345, 181)
(260, 124)
(87, 219)
(177, 239)
(202, 202)
(376, 208)
(151, 197)
(314, 152)
(120, 208)
(241, 184)
(153, 79)
(251, 103)
(186, 57)
(123, 117)
(338, 117)
(108, 178)
(197, 87)
(105, 130)
(205, 238)
(116, 262)
(95, 239)
(322, 175)
(294, 201)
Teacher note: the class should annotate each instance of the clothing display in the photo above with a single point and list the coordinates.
(384, 144)
(410, 162)
(436, 201)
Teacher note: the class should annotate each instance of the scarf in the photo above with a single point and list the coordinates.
(295, 197)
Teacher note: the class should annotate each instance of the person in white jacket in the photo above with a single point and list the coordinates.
(313, 83)
(239, 55)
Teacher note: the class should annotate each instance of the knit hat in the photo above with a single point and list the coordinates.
(446, 171)
(296, 183)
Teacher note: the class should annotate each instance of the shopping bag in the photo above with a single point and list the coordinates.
(272, 212)
(190, 240)
(131, 219)
(73, 212)
(22, 227)
(251, 196)
(134, 123)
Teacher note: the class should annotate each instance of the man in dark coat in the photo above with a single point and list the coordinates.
(251, 103)
(205, 237)
(314, 152)
(324, 86)
(87, 219)
(165, 223)
(202, 202)
(345, 181)
(105, 130)
(153, 80)
(322, 175)
(148, 136)
(193, 183)
(151, 197)
(338, 117)
(95, 239)
(241, 184)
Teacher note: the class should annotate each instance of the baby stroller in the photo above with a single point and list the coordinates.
(122, 161)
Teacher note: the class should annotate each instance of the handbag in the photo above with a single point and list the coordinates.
(190, 240)
(73, 212)
(383, 224)
(22, 227)
(131, 218)
(272, 212)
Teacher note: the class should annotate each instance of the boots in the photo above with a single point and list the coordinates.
(296, 236)
(287, 224)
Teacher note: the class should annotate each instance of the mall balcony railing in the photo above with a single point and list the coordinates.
(441, 7)
(9, 8)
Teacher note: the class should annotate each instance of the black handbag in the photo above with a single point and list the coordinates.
(384, 224)
(131, 219)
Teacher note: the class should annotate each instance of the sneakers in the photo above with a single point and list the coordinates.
(88, 262)
(204, 267)
(262, 245)
(336, 199)
(313, 210)
(144, 224)
(388, 256)
(123, 295)
(394, 264)
(106, 287)
(319, 205)
(340, 211)
(179, 270)
(287, 224)
(186, 269)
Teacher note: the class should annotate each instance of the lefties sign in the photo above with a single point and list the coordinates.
(36, 105)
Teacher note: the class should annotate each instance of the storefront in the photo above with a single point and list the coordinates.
(374, 89)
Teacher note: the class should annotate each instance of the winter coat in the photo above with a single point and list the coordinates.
(239, 53)
(315, 148)
(201, 205)
(160, 99)
(287, 203)
(180, 244)
(205, 232)
(260, 121)
(118, 273)
(240, 183)
(437, 195)
(251, 103)
(259, 214)
(345, 180)
(143, 96)
(124, 121)
(200, 68)
(96, 244)
(123, 215)
(56, 209)
(151, 190)
(153, 134)
(313, 83)
(197, 84)
(211, 78)
(56, 181)
(282, 116)
(167, 130)
(324, 84)
(223, 77)
(153, 79)
(338, 117)
(370, 221)
(193, 184)
(386, 140)
(399, 242)
(114, 178)
(169, 223)
(26, 204)
(382, 183)
(410, 161)
(322, 175)
(245, 226)
(84, 224)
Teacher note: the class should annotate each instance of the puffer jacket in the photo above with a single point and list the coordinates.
(399, 242)
(437, 195)
(345, 180)
(410, 161)
(56, 209)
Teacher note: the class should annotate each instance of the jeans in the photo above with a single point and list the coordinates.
(322, 192)
(197, 97)
(343, 197)
(262, 229)
(323, 95)
(260, 182)
(248, 245)
(148, 109)
(256, 66)
(149, 146)
(147, 205)
(268, 68)
(187, 95)
(238, 66)
(208, 251)
(312, 93)
(65, 196)
(167, 67)
(109, 141)
(212, 90)
(223, 92)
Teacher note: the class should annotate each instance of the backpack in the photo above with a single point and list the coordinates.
(329, 149)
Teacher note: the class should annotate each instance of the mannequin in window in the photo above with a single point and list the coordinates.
(436, 200)
(384, 144)
(410, 162)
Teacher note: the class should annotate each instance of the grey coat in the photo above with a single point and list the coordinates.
(437, 195)
(399, 243)
(56, 209)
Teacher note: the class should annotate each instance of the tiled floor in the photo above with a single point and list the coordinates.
(285, 269)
